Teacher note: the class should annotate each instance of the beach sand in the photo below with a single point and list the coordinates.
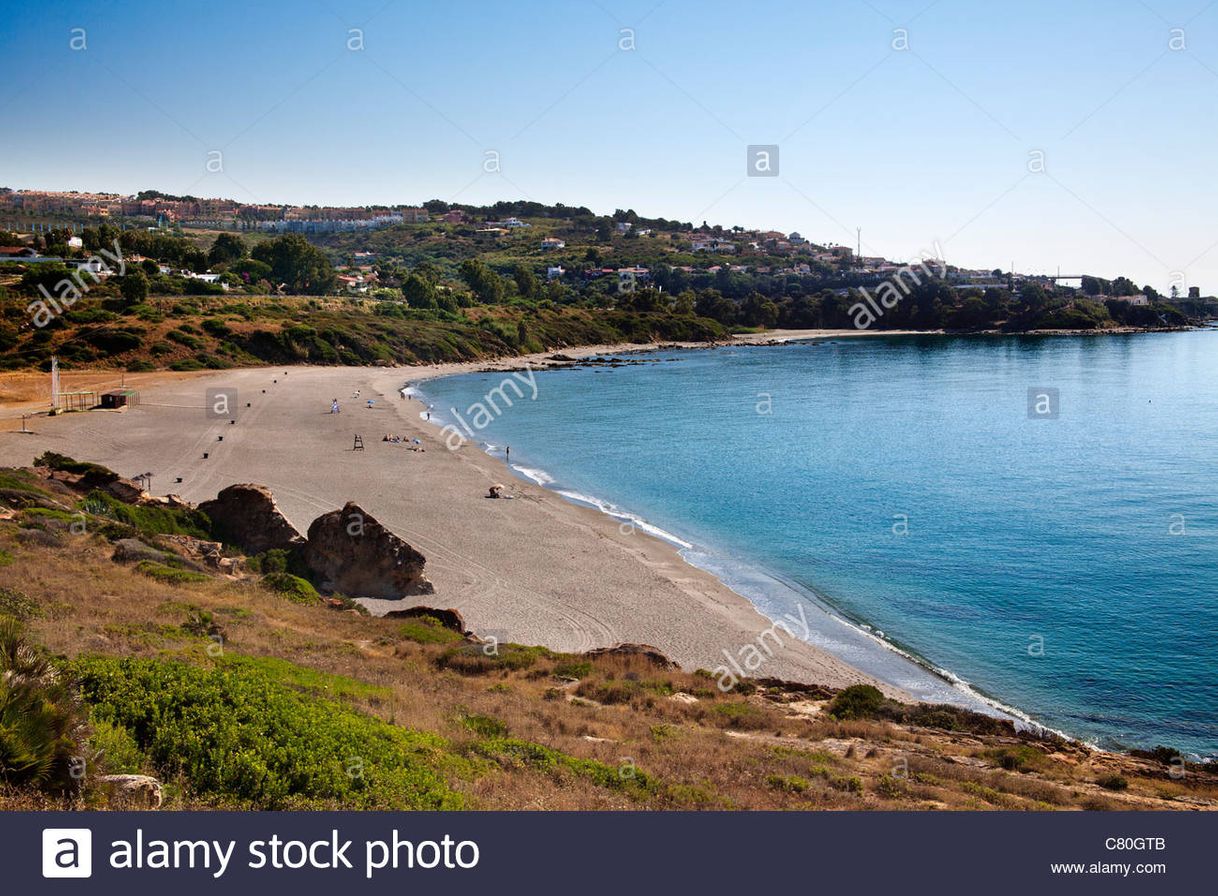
(534, 570)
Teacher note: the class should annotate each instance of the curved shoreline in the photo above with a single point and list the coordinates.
(894, 663)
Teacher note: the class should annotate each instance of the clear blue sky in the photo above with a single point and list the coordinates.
(918, 146)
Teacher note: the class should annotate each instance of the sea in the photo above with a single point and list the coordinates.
(1026, 525)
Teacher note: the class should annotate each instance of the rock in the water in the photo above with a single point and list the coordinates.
(350, 552)
(245, 515)
(133, 791)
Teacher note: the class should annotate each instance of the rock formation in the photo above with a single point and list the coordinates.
(246, 515)
(449, 619)
(129, 792)
(653, 655)
(350, 552)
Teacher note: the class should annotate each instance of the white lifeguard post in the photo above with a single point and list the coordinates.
(54, 384)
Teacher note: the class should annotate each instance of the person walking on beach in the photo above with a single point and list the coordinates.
(334, 406)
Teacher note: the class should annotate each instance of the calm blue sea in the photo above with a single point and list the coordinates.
(1063, 566)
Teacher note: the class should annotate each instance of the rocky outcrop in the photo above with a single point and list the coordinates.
(132, 550)
(350, 552)
(245, 515)
(132, 792)
(199, 553)
(449, 619)
(651, 654)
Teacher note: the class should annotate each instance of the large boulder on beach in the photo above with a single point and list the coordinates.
(246, 515)
(348, 551)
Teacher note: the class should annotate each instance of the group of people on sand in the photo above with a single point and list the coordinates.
(411, 444)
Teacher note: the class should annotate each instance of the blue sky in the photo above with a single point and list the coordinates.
(924, 146)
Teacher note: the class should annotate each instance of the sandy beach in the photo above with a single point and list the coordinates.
(535, 570)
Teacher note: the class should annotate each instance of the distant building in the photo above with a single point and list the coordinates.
(553, 242)
(553, 272)
(17, 253)
(713, 244)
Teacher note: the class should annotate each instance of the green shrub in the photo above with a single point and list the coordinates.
(573, 669)
(170, 575)
(238, 735)
(294, 588)
(1016, 759)
(859, 701)
(217, 327)
(513, 752)
(741, 715)
(428, 630)
(481, 659)
(274, 560)
(484, 726)
(148, 520)
(184, 338)
(1113, 782)
(889, 787)
(788, 783)
(41, 722)
(115, 750)
(65, 464)
(18, 604)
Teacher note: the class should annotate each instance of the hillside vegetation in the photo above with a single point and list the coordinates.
(475, 288)
(235, 693)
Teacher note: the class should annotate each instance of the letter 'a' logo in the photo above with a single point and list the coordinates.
(67, 852)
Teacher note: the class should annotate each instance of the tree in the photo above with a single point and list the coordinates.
(227, 248)
(526, 282)
(712, 304)
(486, 285)
(301, 268)
(684, 302)
(1034, 296)
(134, 286)
(758, 311)
(417, 292)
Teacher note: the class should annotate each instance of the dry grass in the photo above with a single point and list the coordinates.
(766, 750)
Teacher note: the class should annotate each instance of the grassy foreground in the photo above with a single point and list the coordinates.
(236, 692)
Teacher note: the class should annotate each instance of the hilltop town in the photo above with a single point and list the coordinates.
(80, 271)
